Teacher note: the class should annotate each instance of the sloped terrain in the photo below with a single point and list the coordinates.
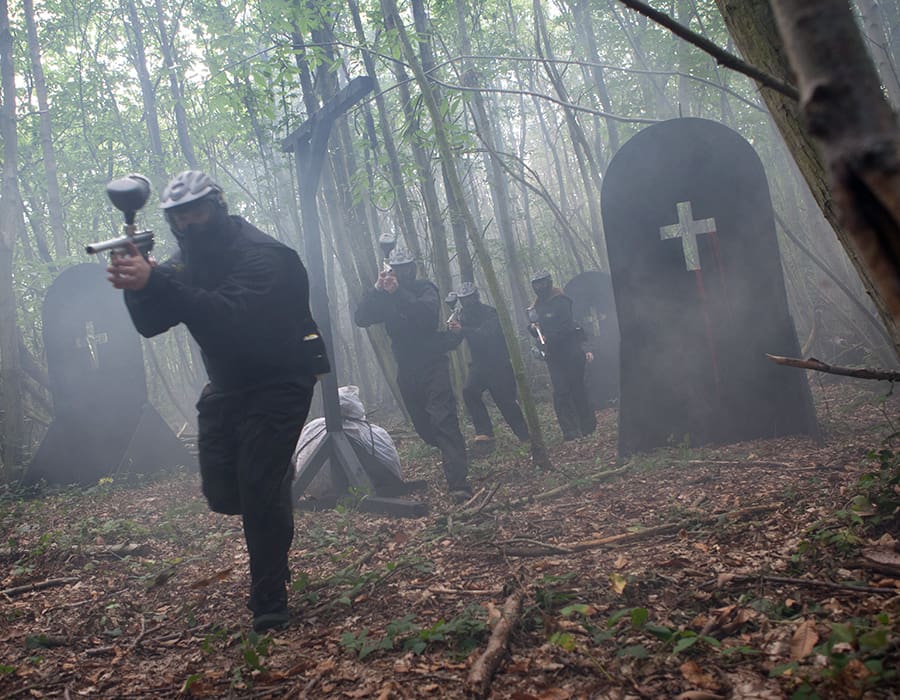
(757, 570)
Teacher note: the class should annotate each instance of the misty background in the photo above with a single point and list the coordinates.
(537, 98)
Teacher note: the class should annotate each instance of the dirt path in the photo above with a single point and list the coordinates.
(754, 570)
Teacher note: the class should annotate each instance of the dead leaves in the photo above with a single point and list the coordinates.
(804, 640)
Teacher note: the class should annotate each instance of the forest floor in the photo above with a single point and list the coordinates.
(767, 569)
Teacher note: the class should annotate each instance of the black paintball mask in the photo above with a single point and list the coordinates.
(542, 287)
(468, 295)
(199, 232)
(404, 272)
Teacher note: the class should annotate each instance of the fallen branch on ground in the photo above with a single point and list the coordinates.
(565, 488)
(819, 366)
(722, 579)
(478, 682)
(646, 533)
(49, 583)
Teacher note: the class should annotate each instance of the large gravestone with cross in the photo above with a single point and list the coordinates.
(103, 424)
(699, 292)
(594, 307)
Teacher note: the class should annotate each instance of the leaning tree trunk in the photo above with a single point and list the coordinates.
(172, 64)
(497, 179)
(849, 115)
(752, 25)
(54, 201)
(538, 449)
(148, 94)
(12, 427)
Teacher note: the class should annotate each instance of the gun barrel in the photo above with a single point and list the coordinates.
(141, 240)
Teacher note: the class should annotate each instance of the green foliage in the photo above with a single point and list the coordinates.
(850, 661)
(458, 635)
(874, 507)
(628, 624)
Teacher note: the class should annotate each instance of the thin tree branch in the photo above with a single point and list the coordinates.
(742, 578)
(722, 56)
(562, 103)
(819, 366)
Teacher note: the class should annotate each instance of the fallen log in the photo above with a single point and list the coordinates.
(478, 682)
(39, 586)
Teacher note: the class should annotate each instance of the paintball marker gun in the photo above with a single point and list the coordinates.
(539, 350)
(128, 194)
(387, 242)
(452, 302)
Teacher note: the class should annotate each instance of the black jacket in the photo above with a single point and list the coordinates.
(562, 335)
(411, 316)
(481, 328)
(245, 298)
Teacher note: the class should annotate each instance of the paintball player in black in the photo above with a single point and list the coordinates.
(551, 316)
(410, 310)
(490, 368)
(244, 297)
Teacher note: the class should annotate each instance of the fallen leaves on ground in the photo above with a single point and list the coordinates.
(694, 573)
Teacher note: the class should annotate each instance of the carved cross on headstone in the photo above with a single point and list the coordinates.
(92, 341)
(688, 229)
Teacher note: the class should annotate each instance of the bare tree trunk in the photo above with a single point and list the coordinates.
(497, 181)
(405, 214)
(538, 449)
(11, 421)
(54, 201)
(148, 93)
(847, 112)
(752, 25)
(584, 24)
(587, 164)
(873, 26)
(171, 63)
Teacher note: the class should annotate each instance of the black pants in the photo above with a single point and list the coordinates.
(570, 401)
(429, 398)
(246, 440)
(501, 383)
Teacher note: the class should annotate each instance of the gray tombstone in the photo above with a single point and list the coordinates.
(699, 292)
(594, 307)
(102, 423)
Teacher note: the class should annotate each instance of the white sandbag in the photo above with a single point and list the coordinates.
(372, 443)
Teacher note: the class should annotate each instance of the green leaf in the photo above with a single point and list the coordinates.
(841, 633)
(781, 669)
(684, 643)
(637, 651)
(660, 632)
(874, 640)
(564, 640)
(639, 616)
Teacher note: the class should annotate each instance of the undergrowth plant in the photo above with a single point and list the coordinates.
(458, 635)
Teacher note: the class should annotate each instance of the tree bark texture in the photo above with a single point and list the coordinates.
(847, 112)
(54, 201)
(12, 427)
(752, 25)
(538, 449)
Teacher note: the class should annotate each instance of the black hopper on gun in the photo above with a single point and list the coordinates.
(387, 242)
(128, 194)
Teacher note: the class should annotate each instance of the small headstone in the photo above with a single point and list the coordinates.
(699, 292)
(102, 424)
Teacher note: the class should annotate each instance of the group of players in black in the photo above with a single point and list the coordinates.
(244, 297)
